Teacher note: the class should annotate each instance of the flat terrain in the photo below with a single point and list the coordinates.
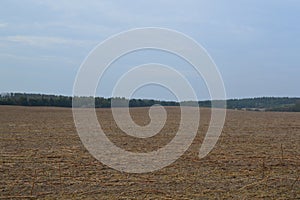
(42, 157)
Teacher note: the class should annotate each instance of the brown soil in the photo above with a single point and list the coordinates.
(42, 157)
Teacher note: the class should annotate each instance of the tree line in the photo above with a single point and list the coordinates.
(263, 103)
(24, 99)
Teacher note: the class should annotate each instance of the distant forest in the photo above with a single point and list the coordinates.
(256, 104)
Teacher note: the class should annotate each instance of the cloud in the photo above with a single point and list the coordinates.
(40, 58)
(28, 58)
(45, 41)
(3, 25)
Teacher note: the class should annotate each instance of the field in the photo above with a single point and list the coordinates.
(42, 157)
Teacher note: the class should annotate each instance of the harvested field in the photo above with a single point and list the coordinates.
(42, 157)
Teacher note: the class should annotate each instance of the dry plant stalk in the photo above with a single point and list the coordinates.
(33, 183)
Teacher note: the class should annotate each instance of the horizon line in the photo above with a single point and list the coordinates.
(144, 98)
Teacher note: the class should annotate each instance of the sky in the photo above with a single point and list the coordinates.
(255, 44)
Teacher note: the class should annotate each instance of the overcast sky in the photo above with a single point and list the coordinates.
(255, 43)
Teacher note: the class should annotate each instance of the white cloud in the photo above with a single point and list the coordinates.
(45, 41)
(3, 25)
(45, 59)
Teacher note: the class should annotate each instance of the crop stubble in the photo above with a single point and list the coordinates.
(257, 156)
